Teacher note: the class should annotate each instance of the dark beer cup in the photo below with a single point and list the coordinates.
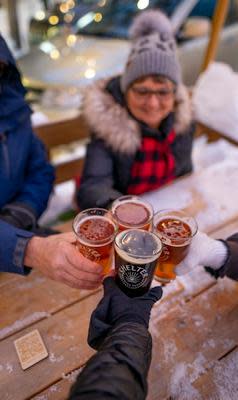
(132, 212)
(175, 230)
(95, 232)
(136, 254)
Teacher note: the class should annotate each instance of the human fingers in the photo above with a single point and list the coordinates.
(155, 293)
(109, 285)
(69, 237)
(83, 275)
(76, 259)
(71, 281)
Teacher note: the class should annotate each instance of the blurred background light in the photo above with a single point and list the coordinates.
(71, 40)
(40, 15)
(53, 20)
(98, 17)
(47, 47)
(55, 54)
(85, 20)
(68, 17)
(64, 8)
(89, 73)
(142, 4)
(102, 3)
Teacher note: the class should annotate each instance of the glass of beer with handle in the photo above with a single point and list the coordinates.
(132, 212)
(95, 231)
(136, 255)
(175, 230)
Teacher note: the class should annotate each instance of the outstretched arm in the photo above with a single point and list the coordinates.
(119, 330)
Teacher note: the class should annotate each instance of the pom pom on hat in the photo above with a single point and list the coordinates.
(149, 22)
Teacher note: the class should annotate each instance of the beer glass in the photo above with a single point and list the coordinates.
(136, 254)
(176, 230)
(132, 212)
(95, 232)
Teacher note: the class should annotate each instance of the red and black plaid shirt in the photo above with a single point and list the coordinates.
(154, 165)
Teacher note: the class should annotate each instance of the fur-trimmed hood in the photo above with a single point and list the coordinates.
(111, 122)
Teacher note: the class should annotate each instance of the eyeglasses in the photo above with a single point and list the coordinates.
(161, 94)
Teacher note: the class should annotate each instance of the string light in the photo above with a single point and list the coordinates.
(98, 17)
(142, 4)
(53, 20)
(40, 15)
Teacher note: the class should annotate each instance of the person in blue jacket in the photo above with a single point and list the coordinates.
(26, 180)
(26, 177)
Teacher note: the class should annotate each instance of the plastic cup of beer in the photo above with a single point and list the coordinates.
(136, 255)
(132, 212)
(175, 230)
(95, 232)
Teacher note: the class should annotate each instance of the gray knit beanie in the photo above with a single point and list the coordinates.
(153, 49)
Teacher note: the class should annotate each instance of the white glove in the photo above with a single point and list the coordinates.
(203, 251)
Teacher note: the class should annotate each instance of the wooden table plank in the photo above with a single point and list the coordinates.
(190, 338)
(5, 278)
(60, 390)
(29, 299)
(64, 335)
(221, 381)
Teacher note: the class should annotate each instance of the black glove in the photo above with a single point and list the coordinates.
(116, 307)
(18, 215)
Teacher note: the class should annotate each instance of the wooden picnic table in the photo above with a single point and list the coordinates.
(194, 327)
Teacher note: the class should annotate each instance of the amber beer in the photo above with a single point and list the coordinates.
(176, 230)
(132, 212)
(136, 255)
(95, 232)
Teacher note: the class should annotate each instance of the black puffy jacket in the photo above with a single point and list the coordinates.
(119, 369)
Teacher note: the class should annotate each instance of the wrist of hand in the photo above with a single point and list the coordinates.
(19, 215)
(32, 254)
(132, 317)
(204, 251)
(217, 254)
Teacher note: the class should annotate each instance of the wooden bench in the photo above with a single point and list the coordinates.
(63, 133)
(212, 134)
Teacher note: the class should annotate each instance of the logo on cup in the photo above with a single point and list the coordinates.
(90, 253)
(133, 276)
(165, 253)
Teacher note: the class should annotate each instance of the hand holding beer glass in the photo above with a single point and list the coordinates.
(132, 212)
(175, 230)
(95, 233)
(136, 255)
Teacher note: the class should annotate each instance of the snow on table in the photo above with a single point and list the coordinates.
(210, 195)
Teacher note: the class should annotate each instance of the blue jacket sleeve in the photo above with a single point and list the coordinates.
(13, 244)
(38, 180)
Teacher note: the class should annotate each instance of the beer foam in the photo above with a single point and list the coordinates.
(180, 240)
(138, 245)
(98, 230)
(132, 213)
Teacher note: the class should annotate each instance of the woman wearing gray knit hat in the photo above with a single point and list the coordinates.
(141, 121)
